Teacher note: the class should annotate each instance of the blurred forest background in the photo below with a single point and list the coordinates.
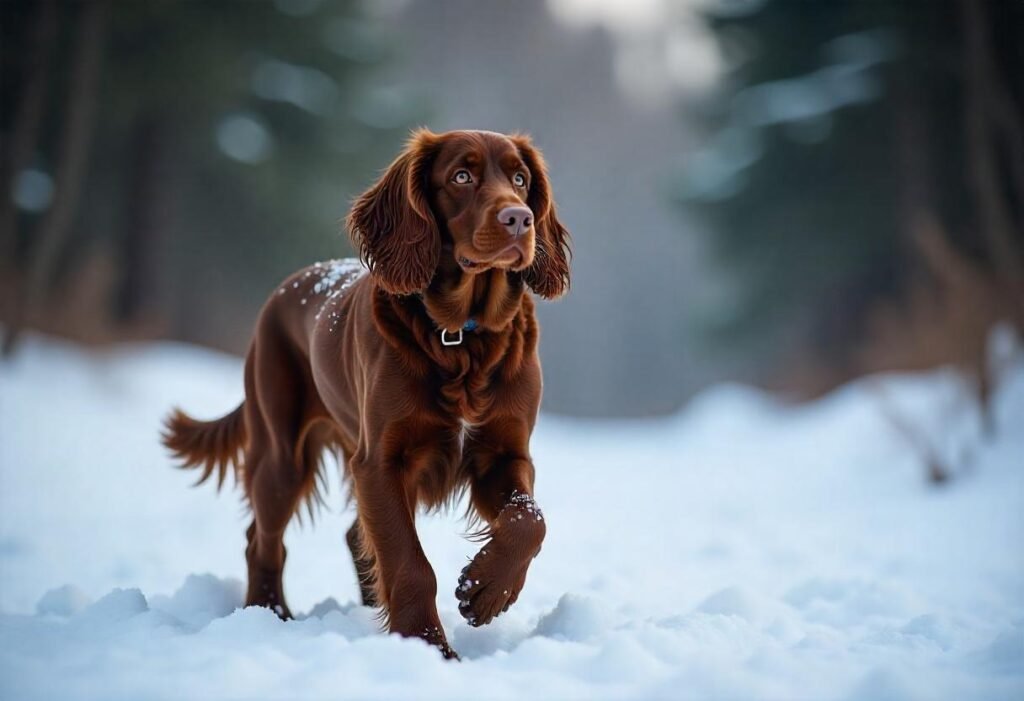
(785, 192)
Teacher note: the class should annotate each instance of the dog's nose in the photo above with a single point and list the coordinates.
(516, 219)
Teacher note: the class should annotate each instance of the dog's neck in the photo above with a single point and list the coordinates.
(492, 298)
(505, 333)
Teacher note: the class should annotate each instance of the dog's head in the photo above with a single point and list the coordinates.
(485, 195)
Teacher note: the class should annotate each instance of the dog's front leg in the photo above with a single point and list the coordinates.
(405, 584)
(502, 493)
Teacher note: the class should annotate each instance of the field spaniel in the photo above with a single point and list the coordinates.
(418, 366)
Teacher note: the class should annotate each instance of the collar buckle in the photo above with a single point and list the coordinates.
(455, 340)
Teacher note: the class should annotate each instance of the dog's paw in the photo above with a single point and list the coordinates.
(484, 594)
(435, 636)
(267, 592)
(491, 582)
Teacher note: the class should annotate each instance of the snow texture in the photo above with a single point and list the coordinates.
(330, 281)
(741, 549)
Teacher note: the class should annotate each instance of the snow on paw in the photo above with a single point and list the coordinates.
(269, 595)
(435, 636)
(484, 591)
(491, 582)
(280, 610)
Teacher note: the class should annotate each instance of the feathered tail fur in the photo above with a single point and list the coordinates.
(210, 445)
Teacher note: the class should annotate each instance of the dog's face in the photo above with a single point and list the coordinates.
(481, 197)
(479, 183)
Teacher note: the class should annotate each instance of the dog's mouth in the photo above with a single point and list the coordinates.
(510, 258)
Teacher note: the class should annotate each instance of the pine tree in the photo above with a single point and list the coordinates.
(841, 121)
(226, 142)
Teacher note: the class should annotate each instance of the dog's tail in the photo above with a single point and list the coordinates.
(208, 445)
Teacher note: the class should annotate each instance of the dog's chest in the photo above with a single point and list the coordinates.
(465, 430)
(467, 399)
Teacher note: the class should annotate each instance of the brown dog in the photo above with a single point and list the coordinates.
(423, 373)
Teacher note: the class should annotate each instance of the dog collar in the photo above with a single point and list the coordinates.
(456, 338)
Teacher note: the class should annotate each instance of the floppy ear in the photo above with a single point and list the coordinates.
(391, 223)
(548, 276)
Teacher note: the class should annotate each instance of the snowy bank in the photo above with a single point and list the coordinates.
(742, 549)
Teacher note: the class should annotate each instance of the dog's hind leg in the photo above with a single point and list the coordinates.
(275, 492)
(277, 475)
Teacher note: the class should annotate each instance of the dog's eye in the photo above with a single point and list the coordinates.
(519, 180)
(462, 177)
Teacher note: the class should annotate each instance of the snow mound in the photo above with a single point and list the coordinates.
(201, 599)
(576, 618)
(63, 601)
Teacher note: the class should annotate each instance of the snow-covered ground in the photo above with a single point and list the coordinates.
(742, 549)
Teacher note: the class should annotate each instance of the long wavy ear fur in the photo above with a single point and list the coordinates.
(392, 226)
(549, 274)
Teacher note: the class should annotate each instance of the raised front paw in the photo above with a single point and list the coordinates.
(491, 582)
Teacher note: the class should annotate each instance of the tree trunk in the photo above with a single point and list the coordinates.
(151, 187)
(21, 145)
(73, 156)
(995, 221)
